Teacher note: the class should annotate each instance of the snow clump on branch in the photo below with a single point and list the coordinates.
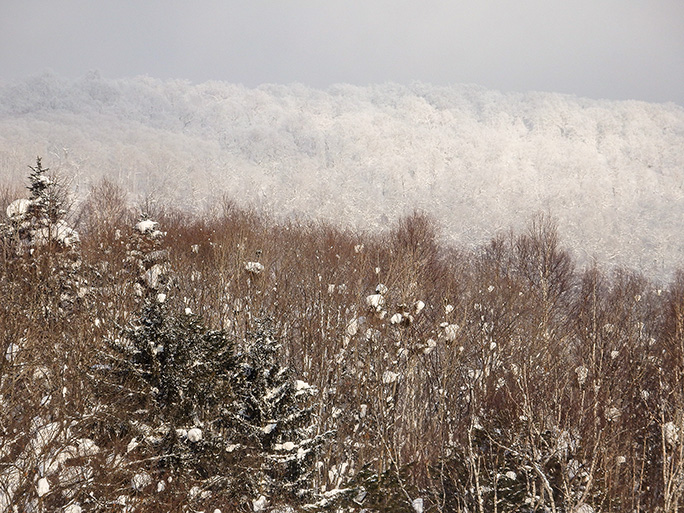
(254, 267)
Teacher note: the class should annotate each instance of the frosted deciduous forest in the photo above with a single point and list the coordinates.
(479, 161)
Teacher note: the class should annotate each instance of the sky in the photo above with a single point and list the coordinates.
(602, 49)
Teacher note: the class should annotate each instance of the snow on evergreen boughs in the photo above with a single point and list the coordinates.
(40, 219)
(40, 244)
(179, 375)
(198, 408)
(271, 407)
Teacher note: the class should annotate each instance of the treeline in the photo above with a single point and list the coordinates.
(376, 152)
(163, 361)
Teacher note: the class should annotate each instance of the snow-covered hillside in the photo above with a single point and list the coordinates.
(479, 161)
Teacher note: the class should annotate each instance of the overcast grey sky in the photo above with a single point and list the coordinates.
(616, 49)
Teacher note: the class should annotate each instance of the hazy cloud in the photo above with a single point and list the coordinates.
(602, 48)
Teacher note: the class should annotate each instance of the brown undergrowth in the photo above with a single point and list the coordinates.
(499, 379)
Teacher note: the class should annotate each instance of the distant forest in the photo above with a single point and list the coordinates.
(157, 359)
(479, 162)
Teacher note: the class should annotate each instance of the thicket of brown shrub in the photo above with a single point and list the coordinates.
(523, 384)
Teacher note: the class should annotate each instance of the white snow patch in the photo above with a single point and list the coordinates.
(147, 226)
(45, 435)
(195, 434)
(671, 433)
(273, 393)
(287, 446)
(18, 209)
(86, 447)
(396, 318)
(58, 232)
(612, 414)
(430, 346)
(141, 481)
(302, 385)
(582, 373)
(153, 275)
(12, 352)
(375, 301)
(302, 388)
(132, 445)
(43, 486)
(389, 377)
(451, 331)
(260, 503)
(254, 267)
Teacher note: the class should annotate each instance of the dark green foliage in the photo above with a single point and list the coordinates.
(48, 197)
(271, 410)
(185, 367)
(167, 382)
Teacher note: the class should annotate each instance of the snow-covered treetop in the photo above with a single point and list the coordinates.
(149, 228)
(40, 219)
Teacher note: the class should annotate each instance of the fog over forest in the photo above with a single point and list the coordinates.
(480, 161)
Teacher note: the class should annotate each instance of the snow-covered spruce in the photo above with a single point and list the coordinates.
(39, 220)
(272, 409)
(36, 237)
(201, 409)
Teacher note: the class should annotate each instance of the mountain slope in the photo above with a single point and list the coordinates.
(479, 161)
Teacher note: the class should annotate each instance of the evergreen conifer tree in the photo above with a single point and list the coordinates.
(272, 411)
(234, 423)
(40, 247)
(178, 375)
(40, 220)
